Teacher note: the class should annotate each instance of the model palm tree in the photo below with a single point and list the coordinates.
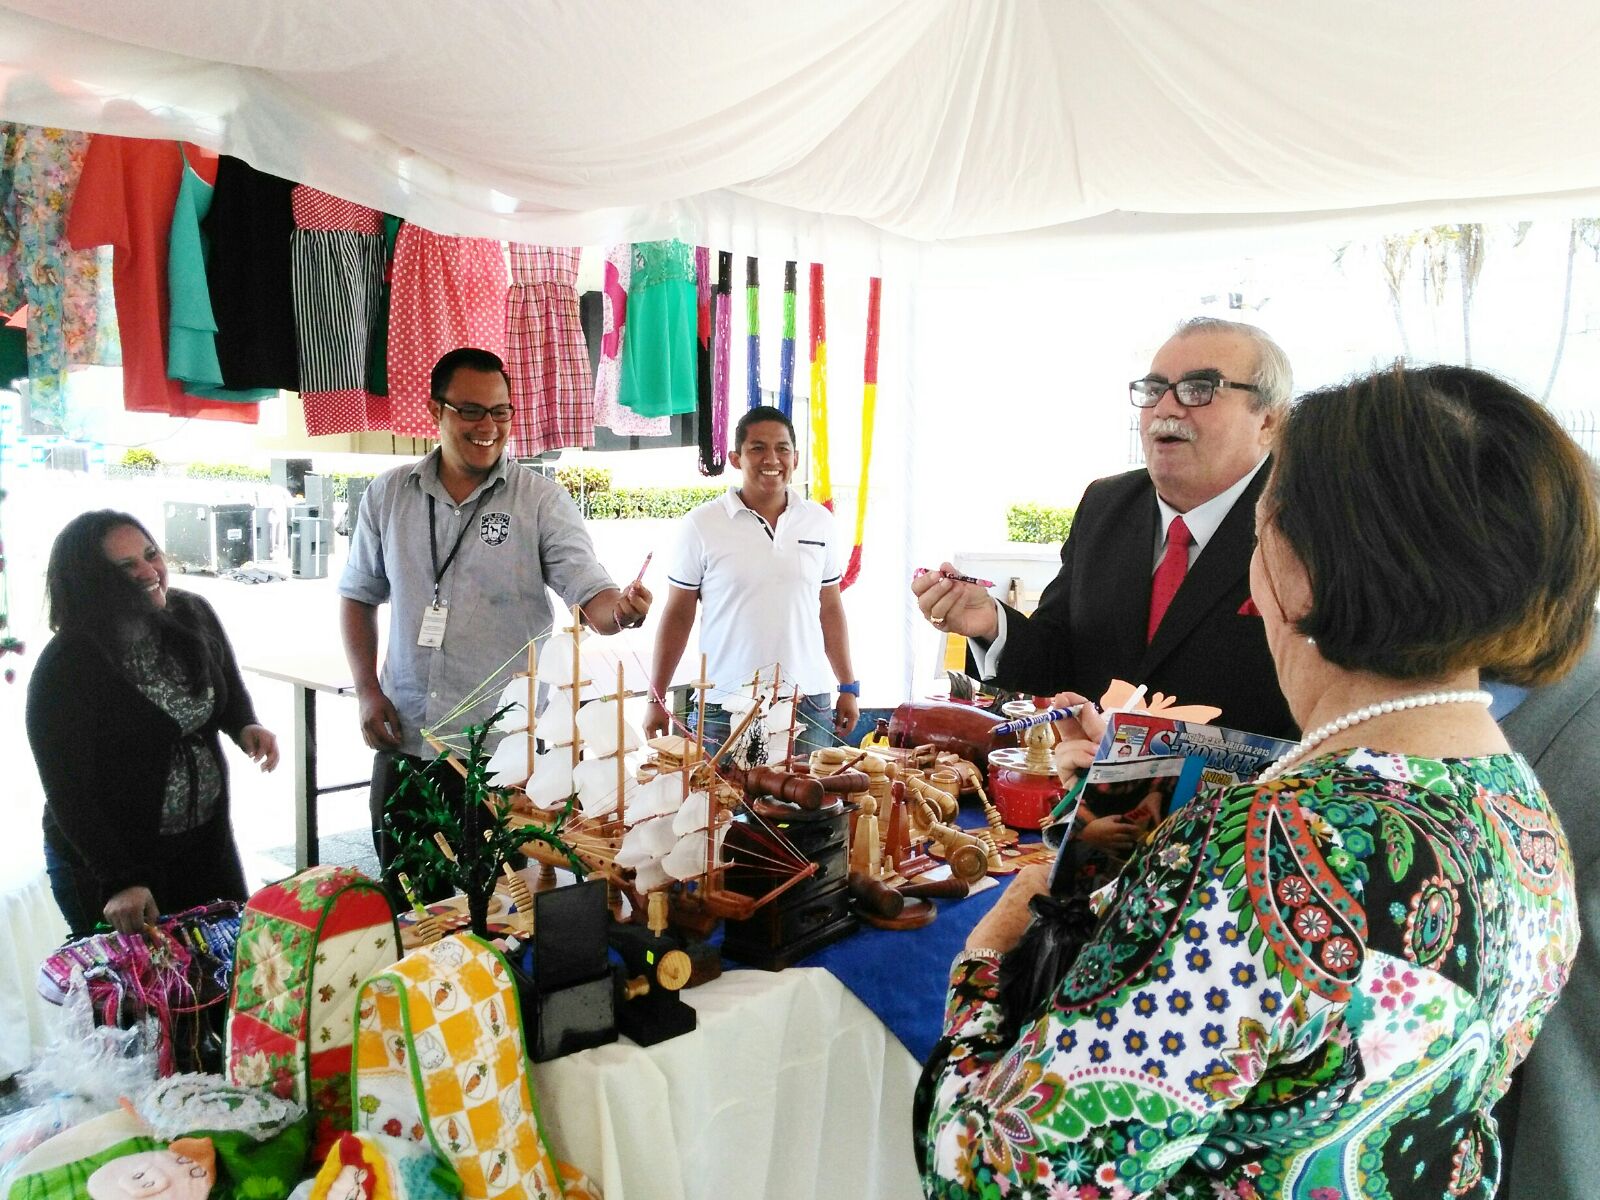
(465, 845)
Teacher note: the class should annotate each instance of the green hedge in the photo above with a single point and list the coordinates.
(633, 503)
(139, 458)
(1038, 523)
(590, 487)
(582, 481)
(341, 479)
(227, 471)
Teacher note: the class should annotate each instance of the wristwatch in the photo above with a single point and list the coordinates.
(853, 688)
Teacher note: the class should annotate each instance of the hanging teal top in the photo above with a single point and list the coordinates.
(192, 332)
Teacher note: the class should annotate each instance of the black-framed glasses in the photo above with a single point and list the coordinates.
(1191, 393)
(500, 413)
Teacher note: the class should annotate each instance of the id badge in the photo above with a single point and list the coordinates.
(432, 633)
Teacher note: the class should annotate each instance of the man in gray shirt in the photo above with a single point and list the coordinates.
(1547, 1120)
(462, 546)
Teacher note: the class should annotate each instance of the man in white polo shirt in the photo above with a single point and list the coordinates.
(765, 563)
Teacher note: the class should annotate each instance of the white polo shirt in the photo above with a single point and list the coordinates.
(760, 589)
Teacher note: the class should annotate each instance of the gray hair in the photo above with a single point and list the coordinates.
(1274, 376)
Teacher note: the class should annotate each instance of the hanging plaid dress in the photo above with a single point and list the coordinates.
(337, 259)
(546, 356)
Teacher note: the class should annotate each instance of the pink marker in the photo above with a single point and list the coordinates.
(644, 568)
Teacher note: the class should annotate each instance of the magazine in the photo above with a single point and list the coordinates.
(1147, 767)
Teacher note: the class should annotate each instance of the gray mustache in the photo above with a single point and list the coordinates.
(1170, 427)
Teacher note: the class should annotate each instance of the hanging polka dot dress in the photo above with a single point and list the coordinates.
(447, 292)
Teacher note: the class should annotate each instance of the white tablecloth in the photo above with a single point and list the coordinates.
(790, 1089)
(33, 927)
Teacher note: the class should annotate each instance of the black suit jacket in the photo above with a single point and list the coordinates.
(1090, 624)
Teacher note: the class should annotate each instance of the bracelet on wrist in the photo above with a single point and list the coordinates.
(976, 954)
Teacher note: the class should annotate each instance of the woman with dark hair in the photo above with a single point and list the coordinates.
(124, 709)
(1317, 984)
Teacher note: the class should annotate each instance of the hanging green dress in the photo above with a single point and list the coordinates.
(659, 353)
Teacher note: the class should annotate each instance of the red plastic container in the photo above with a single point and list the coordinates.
(1022, 797)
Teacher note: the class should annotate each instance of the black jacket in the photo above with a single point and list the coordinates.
(1089, 627)
(103, 749)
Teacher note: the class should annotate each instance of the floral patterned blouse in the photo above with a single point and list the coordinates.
(39, 170)
(1316, 987)
(194, 777)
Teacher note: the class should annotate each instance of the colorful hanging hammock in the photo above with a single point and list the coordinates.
(869, 416)
(710, 454)
(752, 319)
(821, 477)
(786, 347)
(721, 348)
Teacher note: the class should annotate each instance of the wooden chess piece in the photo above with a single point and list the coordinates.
(897, 839)
(866, 852)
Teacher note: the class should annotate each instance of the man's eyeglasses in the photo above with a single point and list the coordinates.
(1191, 393)
(500, 413)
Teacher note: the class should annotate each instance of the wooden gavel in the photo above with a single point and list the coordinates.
(799, 790)
(950, 888)
(881, 900)
(874, 896)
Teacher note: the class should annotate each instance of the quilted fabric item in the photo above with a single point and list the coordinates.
(439, 1057)
(304, 947)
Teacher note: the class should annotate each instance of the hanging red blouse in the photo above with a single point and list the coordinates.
(125, 199)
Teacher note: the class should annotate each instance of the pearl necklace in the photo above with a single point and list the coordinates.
(1323, 732)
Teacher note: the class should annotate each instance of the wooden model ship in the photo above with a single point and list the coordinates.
(650, 819)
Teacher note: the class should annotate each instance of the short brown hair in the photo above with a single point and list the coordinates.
(1445, 520)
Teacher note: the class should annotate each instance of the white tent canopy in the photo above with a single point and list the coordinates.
(872, 122)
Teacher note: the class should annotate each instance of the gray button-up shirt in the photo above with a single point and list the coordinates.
(525, 535)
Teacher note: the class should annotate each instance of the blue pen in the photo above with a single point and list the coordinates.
(1039, 718)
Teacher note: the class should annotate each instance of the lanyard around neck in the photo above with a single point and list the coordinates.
(433, 543)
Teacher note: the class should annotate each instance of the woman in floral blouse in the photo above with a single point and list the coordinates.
(124, 709)
(1317, 985)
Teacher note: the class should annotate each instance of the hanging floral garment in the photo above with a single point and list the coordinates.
(546, 356)
(39, 172)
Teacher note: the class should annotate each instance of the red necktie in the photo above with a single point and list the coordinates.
(1169, 575)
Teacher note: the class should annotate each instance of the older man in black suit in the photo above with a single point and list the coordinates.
(1154, 579)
